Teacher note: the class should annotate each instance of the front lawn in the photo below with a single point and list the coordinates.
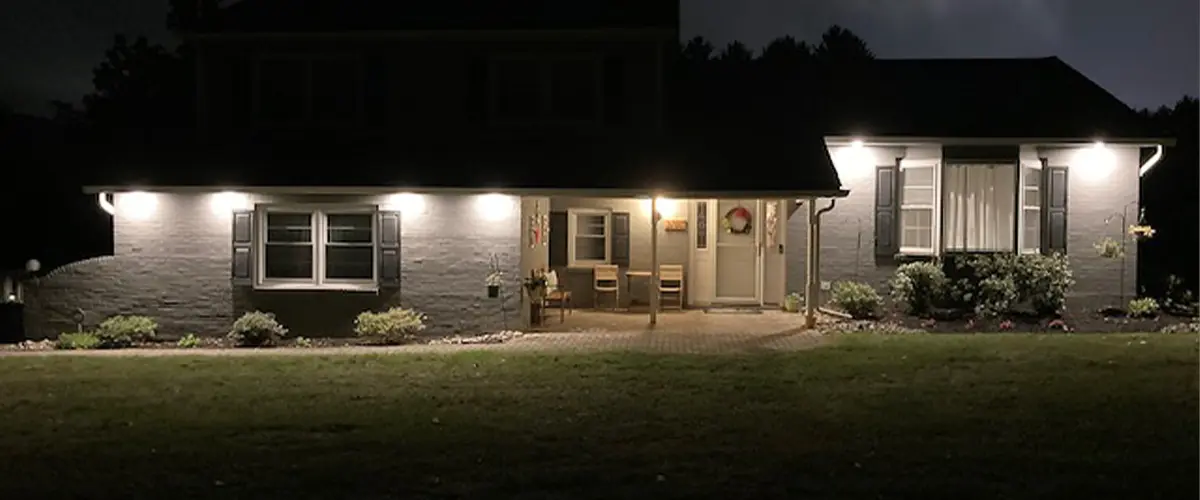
(988, 416)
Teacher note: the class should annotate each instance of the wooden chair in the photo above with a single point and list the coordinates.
(605, 279)
(554, 294)
(670, 281)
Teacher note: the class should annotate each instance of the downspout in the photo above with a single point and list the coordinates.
(653, 260)
(813, 291)
(1154, 159)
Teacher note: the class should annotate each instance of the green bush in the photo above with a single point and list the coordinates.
(189, 341)
(1145, 307)
(791, 303)
(257, 329)
(859, 300)
(394, 326)
(123, 331)
(77, 341)
(303, 342)
(1044, 281)
(918, 285)
(996, 297)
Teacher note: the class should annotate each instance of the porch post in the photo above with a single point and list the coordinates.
(653, 260)
(812, 286)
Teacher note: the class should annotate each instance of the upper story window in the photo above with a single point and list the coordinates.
(540, 90)
(308, 90)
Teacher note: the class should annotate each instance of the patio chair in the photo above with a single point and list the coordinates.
(605, 279)
(558, 296)
(670, 281)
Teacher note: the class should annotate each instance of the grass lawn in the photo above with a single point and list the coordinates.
(988, 416)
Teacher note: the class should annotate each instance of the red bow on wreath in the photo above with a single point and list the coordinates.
(738, 220)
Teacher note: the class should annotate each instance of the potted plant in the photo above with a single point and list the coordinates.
(535, 287)
(494, 279)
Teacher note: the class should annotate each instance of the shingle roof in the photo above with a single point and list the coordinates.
(285, 16)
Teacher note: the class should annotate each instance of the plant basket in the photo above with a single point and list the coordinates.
(493, 291)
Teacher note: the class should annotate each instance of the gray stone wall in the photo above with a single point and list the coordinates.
(172, 262)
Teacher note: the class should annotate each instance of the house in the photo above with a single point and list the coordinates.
(357, 155)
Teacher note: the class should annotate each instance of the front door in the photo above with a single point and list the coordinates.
(739, 252)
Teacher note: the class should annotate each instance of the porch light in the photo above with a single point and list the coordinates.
(853, 162)
(408, 204)
(1097, 162)
(494, 206)
(856, 144)
(667, 207)
(138, 205)
(225, 202)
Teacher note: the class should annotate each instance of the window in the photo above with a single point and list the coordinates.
(318, 247)
(526, 90)
(589, 233)
(1031, 208)
(701, 225)
(917, 206)
(303, 89)
(979, 214)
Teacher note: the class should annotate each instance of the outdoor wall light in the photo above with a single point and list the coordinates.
(225, 202)
(853, 162)
(1097, 161)
(856, 144)
(667, 207)
(494, 206)
(409, 204)
(138, 205)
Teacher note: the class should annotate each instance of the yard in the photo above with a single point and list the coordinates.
(867, 416)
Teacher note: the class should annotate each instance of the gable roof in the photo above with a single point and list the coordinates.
(325, 16)
(977, 98)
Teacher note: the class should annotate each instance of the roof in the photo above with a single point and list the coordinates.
(977, 98)
(292, 16)
(784, 165)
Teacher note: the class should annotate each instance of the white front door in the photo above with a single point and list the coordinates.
(738, 252)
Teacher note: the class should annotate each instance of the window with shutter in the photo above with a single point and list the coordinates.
(1031, 207)
(918, 207)
(339, 248)
(589, 235)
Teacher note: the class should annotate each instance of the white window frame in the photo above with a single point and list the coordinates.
(319, 220)
(545, 112)
(1034, 168)
(308, 60)
(934, 208)
(572, 230)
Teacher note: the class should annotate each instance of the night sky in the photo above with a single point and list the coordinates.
(1147, 52)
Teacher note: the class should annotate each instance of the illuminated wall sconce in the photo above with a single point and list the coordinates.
(1096, 162)
(226, 202)
(409, 204)
(494, 206)
(667, 207)
(137, 205)
(854, 161)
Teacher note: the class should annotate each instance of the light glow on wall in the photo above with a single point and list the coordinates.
(1096, 162)
(409, 204)
(137, 205)
(667, 207)
(225, 202)
(494, 206)
(853, 162)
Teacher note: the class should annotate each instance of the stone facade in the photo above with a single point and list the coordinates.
(173, 262)
(1095, 192)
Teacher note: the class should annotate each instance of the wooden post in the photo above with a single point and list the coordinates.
(653, 260)
(812, 288)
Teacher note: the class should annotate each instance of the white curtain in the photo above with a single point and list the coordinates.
(980, 211)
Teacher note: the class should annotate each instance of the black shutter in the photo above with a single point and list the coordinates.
(886, 209)
(242, 264)
(389, 249)
(616, 107)
(1054, 215)
(619, 251)
(558, 239)
(477, 91)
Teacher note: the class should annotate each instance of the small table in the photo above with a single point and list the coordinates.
(629, 275)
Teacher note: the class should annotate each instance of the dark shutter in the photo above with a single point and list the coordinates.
(242, 265)
(1054, 216)
(558, 239)
(616, 106)
(477, 90)
(886, 209)
(619, 251)
(389, 249)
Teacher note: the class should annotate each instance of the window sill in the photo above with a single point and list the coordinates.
(329, 287)
(585, 265)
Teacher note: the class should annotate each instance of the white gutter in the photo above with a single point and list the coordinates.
(1157, 157)
(102, 198)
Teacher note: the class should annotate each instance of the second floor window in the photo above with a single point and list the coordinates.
(308, 90)
(565, 90)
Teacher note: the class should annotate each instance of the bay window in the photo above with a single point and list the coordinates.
(318, 247)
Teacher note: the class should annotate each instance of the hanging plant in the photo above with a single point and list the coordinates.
(1141, 231)
(738, 220)
(1109, 248)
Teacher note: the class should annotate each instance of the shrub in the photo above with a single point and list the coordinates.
(996, 297)
(123, 331)
(1044, 281)
(919, 285)
(791, 303)
(303, 342)
(858, 299)
(257, 329)
(1191, 327)
(77, 341)
(394, 326)
(1145, 307)
(189, 341)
